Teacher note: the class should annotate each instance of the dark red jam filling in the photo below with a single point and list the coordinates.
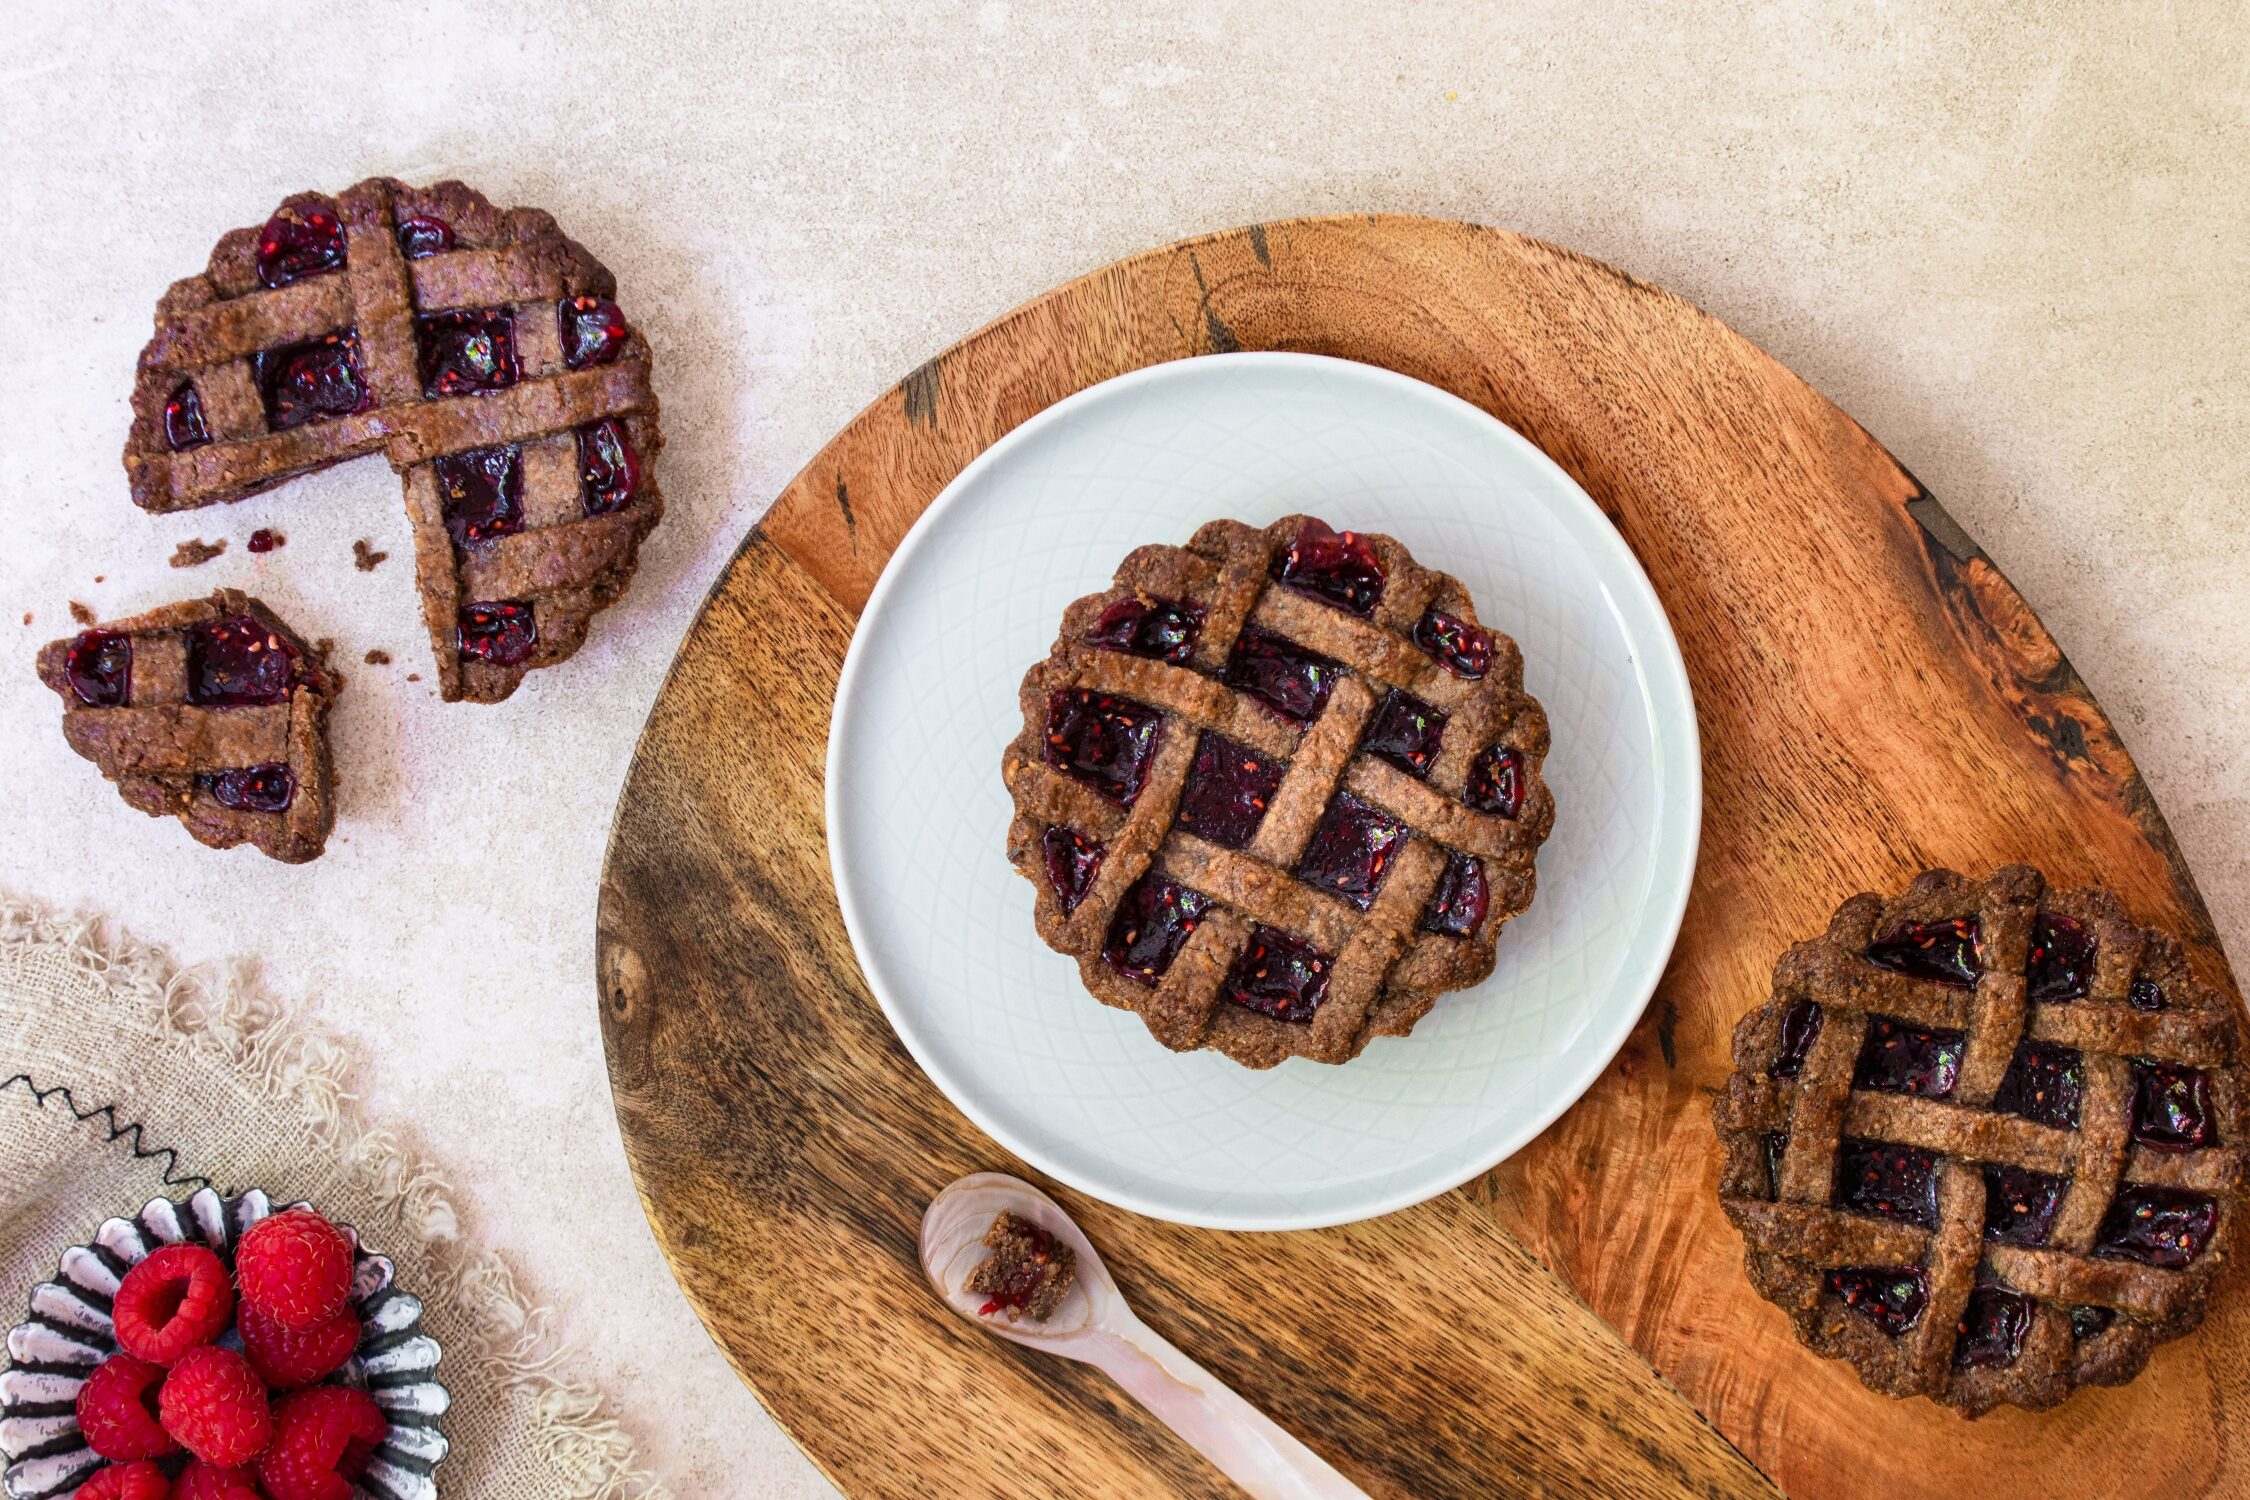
(1776, 1143)
(2020, 1205)
(2061, 961)
(1800, 1027)
(237, 661)
(593, 331)
(1284, 676)
(2045, 1082)
(464, 353)
(2146, 994)
(1073, 860)
(482, 492)
(1458, 905)
(1160, 629)
(501, 632)
(608, 469)
(1990, 1333)
(1339, 566)
(1152, 924)
(1465, 650)
(1406, 732)
(1351, 850)
(1106, 742)
(1227, 790)
(1278, 976)
(2172, 1107)
(1942, 951)
(266, 789)
(1496, 782)
(99, 668)
(297, 243)
(425, 236)
(1890, 1297)
(311, 382)
(264, 540)
(1902, 1059)
(2156, 1226)
(184, 427)
(1888, 1180)
(2090, 1322)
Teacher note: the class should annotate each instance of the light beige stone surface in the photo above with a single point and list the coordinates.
(2011, 239)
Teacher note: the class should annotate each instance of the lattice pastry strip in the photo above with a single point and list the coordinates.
(1277, 790)
(212, 711)
(1987, 1141)
(478, 349)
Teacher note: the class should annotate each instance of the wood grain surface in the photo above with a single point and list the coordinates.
(1873, 696)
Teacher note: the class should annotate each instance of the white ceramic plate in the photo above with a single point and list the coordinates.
(918, 818)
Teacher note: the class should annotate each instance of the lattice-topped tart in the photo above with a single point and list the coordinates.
(212, 711)
(1277, 790)
(478, 349)
(1987, 1141)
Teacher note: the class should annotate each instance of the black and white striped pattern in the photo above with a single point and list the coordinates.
(68, 1332)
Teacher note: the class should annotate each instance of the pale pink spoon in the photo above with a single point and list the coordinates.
(1094, 1324)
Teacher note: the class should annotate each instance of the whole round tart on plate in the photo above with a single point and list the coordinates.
(1986, 1140)
(1278, 790)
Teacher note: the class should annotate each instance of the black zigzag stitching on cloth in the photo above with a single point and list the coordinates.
(131, 1134)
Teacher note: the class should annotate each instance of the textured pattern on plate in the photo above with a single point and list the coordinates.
(943, 926)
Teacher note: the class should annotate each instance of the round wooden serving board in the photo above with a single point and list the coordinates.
(1874, 698)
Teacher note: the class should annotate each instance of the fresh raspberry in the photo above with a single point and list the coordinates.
(136, 1481)
(297, 1266)
(285, 1358)
(199, 1481)
(117, 1410)
(176, 1299)
(214, 1403)
(322, 1439)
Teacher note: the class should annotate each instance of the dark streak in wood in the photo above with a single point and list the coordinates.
(921, 390)
(844, 504)
(1667, 1022)
(1221, 337)
(1258, 246)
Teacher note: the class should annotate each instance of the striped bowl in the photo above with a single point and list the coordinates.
(68, 1333)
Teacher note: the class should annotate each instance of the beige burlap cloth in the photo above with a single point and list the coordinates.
(123, 1078)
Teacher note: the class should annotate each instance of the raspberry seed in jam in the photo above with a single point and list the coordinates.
(467, 353)
(237, 661)
(99, 667)
(1160, 629)
(297, 243)
(1338, 566)
(608, 469)
(482, 493)
(268, 788)
(501, 632)
(184, 427)
(1465, 650)
(1104, 741)
(593, 331)
(312, 381)
(423, 237)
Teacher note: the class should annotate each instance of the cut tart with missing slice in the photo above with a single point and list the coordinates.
(1986, 1141)
(478, 349)
(1277, 790)
(211, 711)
